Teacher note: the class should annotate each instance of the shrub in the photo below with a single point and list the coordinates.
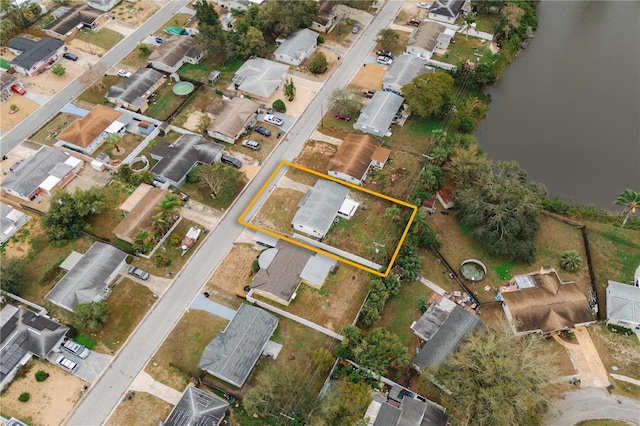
(58, 69)
(72, 333)
(320, 39)
(24, 397)
(41, 376)
(318, 63)
(175, 240)
(255, 266)
(143, 48)
(279, 106)
(570, 260)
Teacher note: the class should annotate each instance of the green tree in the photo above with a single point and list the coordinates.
(432, 178)
(124, 173)
(219, 179)
(380, 350)
(282, 18)
(630, 199)
(429, 95)
(409, 262)
(143, 241)
(421, 233)
(289, 90)
(90, 316)
(345, 101)
(206, 13)
(388, 38)
(279, 106)
(467, 165)
(113, 139)
(67, 214)
(13, 274)
(497, 378)
(170, 207)
(318, 63)
(570, 260)
(211, 37)
(469, 20)
(344, 404)
(58, 69)
(252, 43)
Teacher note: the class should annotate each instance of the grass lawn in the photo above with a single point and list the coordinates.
(278, 210)
(414, 137)
(182, 349)
(465, 49)
(202, 194)
(110, 215)
(95, 97)
(177, 20)
(198, 103)
(602, 423)
(398, 175)
(143, 409)
(486, 23)
(104, 38)
(128, 142)
(127, 304)
(137, 58)
(166, 103)
(197, 72)
(398, 47)
(47, 135)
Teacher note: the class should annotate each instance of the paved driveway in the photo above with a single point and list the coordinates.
(89, 369)
(592, 403)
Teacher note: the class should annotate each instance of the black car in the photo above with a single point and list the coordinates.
(263, 130)
(231, 160)
(70, 56)
(160, 39)
(386, 53)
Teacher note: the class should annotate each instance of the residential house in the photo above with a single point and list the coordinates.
(88, 133)
(233, 353)
(356, 155)
(25, 334)
(6, 81)
(139, 209)
(403, 70)
(197, 407)
(284, 266)
(11, 220)
(445, 197)
(541, 303)
(176, 160)
(41, 173)
(623, 304)
(104, 5)
(443, 327)
(175, 52)
(320, 206)
(88, 276)
(378, 113)
(297, 47)
(242, 5)
(231, 118)
(260, 77)
(403, 407)
(444, 40)
(35, 57)
(70, 21)
(423, 40)
(133, 92)
(449, 10)
(327, 18)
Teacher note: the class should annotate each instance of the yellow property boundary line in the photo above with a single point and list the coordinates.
(315, 249)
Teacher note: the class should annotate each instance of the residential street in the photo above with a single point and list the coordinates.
(592, 403)
(102, 398)
(43, 114)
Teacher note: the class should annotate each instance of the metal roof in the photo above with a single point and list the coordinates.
(379, 112)
(320, 205)
(623, 302)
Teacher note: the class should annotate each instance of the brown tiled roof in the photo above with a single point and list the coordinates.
(85, 130)
(354, 155)
(426, 35)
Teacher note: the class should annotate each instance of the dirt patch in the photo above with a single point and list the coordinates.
(369, 77)
(397, 177)
(134, 14)
(131, 412)
(278, 210)
(86, 47)
(315, 155)
(306, 89)
(25, 107)
(50, 401)
(193, 121)
(235, 270)
(18, 245)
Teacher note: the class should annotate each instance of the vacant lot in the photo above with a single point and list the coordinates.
(103, 38)
(464, 50)
(134, 13)
(398, 175)
(25, 107)
(143, 409)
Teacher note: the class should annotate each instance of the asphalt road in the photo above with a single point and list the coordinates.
(46, 111)
(595, 403)
(104, 395)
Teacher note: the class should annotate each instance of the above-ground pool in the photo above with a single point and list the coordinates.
(473, 270)
(183, 88)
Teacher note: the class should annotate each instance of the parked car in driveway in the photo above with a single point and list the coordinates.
(343, 116)
(273, 119)
(70, 56)
(16, 88)
(160, 39)
(231, 160)
(414, 22)
(384, 60)
(423, 5)
(251, 144)
(385, 53)
(139, 273)
(124, 73)
(67, 364)
(262, 130)
(368, 93)
(355, 29)
(76, 348)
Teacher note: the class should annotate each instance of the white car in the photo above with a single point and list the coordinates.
(272, 119)
(384, 60)
(423, 5)
(251, 144)
(124, 73)
(67, 364)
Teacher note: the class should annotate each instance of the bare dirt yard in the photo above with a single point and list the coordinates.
(25, 107)
(235, 270)
(278, 210)
(315, 155)
(50, 401)
(143, 409)
(369, 77)
(134, 14)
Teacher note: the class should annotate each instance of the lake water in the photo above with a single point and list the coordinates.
(568, 108)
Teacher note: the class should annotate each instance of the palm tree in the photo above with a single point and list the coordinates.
(570, 260)
(631, 200)
(170, 206)
(469, 20)
(289, 90)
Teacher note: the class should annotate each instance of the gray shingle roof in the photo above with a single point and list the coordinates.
(260, 76)
(449, 8)
(379, 112)
(81, 14)
(131, 89)
(197, 408)
(623, 302)
(320, 205)
(84, 282)
(388, 415)
(174, 50)
(298, 44)
(232, 354)
(34, 170)
(33, 52)
(447, 338)
(181, 156)
(412, 412)
(405, 69)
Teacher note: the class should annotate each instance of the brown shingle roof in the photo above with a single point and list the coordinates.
(85, 130)
(426, 35)
(173, 50)
(381, 155)
(141, 217)
(231, 116)
(79, 14)
(354, 155)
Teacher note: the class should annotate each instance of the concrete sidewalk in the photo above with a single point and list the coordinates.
(204, 304)
(433, 286)
(145, 383)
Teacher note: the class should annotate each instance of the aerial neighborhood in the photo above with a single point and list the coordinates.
(275, 212)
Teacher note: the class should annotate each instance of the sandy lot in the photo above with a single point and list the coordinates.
(235, 270)
(134, 14)
(142, 410)
(369, 77)
(8, 121)
(306, 89)
(21, 247)
(50, 400)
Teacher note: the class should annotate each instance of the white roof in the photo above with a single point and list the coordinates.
(114, 127)
(72, 161)
(49, 183)
(348, 207)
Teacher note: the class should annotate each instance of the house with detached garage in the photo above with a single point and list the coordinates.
(423, 41)
(623, 304)
(230, 118)
(174, 53)
(133, 92)
(356, 155)
(403, 70)
(260, 78)
(88, 276)
(70, 21)
(35, 57)
(297, 47)
(449, 10)
(233, 353)
(378, 113)
(88, 133)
